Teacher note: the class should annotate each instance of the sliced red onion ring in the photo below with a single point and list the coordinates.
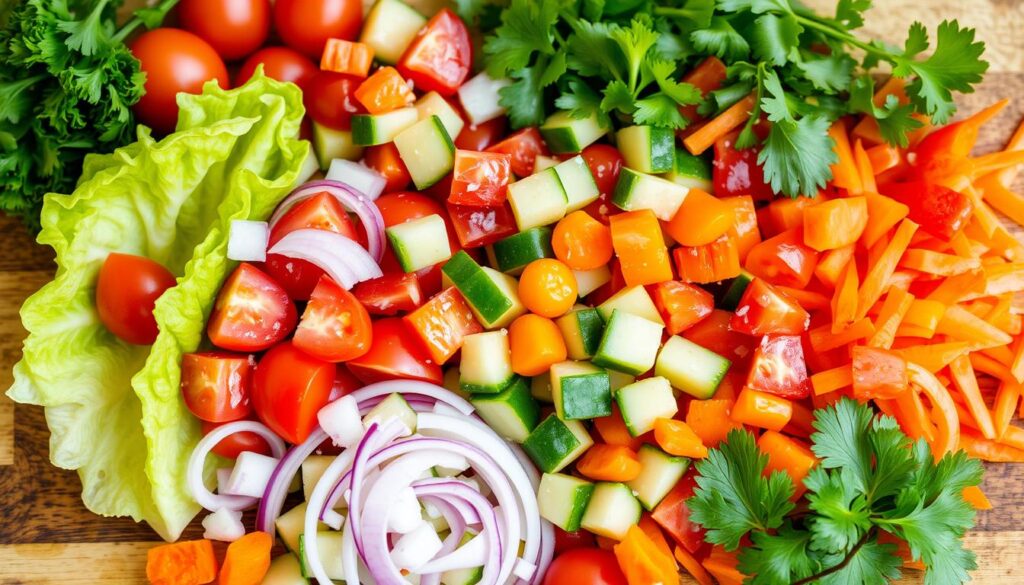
(281, 480)
(406, 387)
(194, 471)
(352, 200)
(341, 258)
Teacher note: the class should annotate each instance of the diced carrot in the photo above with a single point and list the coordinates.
(348, 57)
(747, 233)
(845, 174)
(831, 265)
(884, 157)
(836, 223)
(189, 562)
(704, 137)
(966, 382)
(384, 91)
(247, 560)
(613, 430)
(609, 463)
(802, 422)
(823, 339)
(675, 437)
(894, 309)
(640, 247)
(710, 420)
(789, 456)
(878, 273)
(883, 214)
(976, 498)
(701, 219)
(786, 213)
(442, 323)
(693, 566)
(714, 262)
(643, 562)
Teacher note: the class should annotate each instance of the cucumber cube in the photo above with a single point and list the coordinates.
(563, 499)
(629, 343)
(392, 407)
(690, 171)
(432, 104)
(577, 180)
(540, 388)
(643, 402)
(469, 576)
(565, 134)
(372, 129)
(633, 300)
(427, 151)
(619, 380)
(513, 253)
(486, 366)
(492, 295)
(420, 243)
(612, 510)
(734, 293)
(389, 28)
(659, 473)
(512, 413)
(587, 281)
(543, 163)
(648, 149)
(329, 546)
(581, 328)
(290, 525)
(537, 200)
(693, 369)
(580, 390)
(636, 191)
(556, 443)
(330, 144)
(313, 468)
(285, 570)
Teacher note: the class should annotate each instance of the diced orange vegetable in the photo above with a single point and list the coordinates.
(705, 136)
(748, 234)
(844, 299)
(883, 214)
(831, 265)
(845, 174)
(613, 430)
(442, 323)
(693, 566)
(609, 463)
(836, 223)
(878, 274)
(582, 242)
(761, 409)
(786, 214)
(536, 344)
(640, 247)
(789, 456)
(783, 259)
(654, 533)
(723, 566)
(714, 262)
(710, 420)
(924, 314)
(884, 157)
(642, 562)
(701, 219)
(675, 437)
(181, 563)
(547, 287)
(681, 305)
(802, 422)
(832, 380)
(247, 560)
(384, 91)
(348, 57)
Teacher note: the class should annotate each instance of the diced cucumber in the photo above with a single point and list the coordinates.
(537, 200)
(637, 190)
(644, 401)
(492, 295)
(451, 381)
(563, 499)
(578, 182)
(512, 413)
(619, 380)
(634, 300)
(389, 28)
(581, 328)
(513, 253)
(427, 151)
(329, 546)
(312, 469)
(372, 129)
(690, 171)
(734, 293)
(330, 144)
(486, 366)
(580, 390)
(629, 343)
(469, 576)
(420, 243)
(394, 406)
(612, 510)
(659, 473)
(556, 443)
(540, 388)
(432, 104)
(564, 134)
(587, 281)
(543, 163)
(480, 98)
(290, 526)
(648, 149)
(285, 570)
(691, 368)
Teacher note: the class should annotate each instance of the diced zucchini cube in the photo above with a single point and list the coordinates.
(581, 328)
(556, 443)
(612, 510)
(372, 129)
(633, 300)
(563, 499)
(537, 200)
(330, 144)
(659, 473)
(329, 546)
(565, 134)
(389, 28)
(480, 98)
(691, 368)
(636, 191)
(648, 149)
(734, 293)
(579, 184)
(492, 295)
(486, 366)
(290, 525)
(543, 163)
(312, 469)
(580, 390)
(420, 243)
(392, 407)
(285, 570)
(512, 413)
(587, 281)
(690, 171)
(427, 151)
(619, 380)
(513, 253)
(629, 343)
(432, 104)
(645, 401)
(540, 388)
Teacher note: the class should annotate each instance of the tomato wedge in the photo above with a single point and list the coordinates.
(673, 515)
(439, 57)
(289, 388)
(524, 147)
(764, 309)
(779, 367)
(442, 323)
(394, 354)
(681, 305)
(479, 226)
(216, 385)
(480, 179)
(252, 312)
(390, 294)
(335, 326)
(736, 172)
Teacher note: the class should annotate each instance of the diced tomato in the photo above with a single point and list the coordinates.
(390, 294)
(439, 57)
(442, 323)
(481, 136)
(713, 262)
(384, 159)
(940, 211)
(289, 389)
(736, 172)
(231, 446)
(713, 333)
(779, 367)
(784, 260)
(321, 211)
(681, 305)
(480, 179)
(569, 540)
(605, 164)
(524, 147)
(942, 150)
(878, 373)
(479, 226)
(395, 354)
(350, 58)
(345, 383)
(252, 312)
(384, 91)
(765, 310)
(673, 515)
(335, 326)
(216, 385)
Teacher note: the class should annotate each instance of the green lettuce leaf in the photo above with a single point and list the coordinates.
(115, 410)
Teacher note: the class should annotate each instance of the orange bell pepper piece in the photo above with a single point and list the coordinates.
(181, 563)
(384, 91)
(714, 262)
(836, 223)
(747, 231)
(442, 323)
(677, 438)
(609, 463)
(711, 421)
(761, 409)
(701, 219)
(789, 456)
(247, 560)
(640, 247)
(348, 57)
(642, 562)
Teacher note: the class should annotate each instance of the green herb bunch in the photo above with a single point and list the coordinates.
(872, 480)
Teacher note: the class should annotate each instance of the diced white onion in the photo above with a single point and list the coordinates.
(224, 525)
(341, 421)
(359, 177)
(247, 241)
(415, 548)
(251, 474)
(405, 514)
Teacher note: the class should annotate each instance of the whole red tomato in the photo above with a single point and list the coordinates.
(329, 100)
(305, 25)
(234, 28)
(126, 293)
(280, 63)
(585, 566)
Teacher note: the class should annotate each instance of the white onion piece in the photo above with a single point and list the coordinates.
(247, 240)
(472, 554)
(223, 475)
(251, 474)
(405, 514)
(194, 471)
(341, 421)
(361, 178)
(480, 98)
(333, 519)
(416, 548)
(342, 259)
(224, 525)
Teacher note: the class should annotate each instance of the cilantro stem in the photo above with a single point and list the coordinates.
(839, 566)
(129, 27)
(831, 31)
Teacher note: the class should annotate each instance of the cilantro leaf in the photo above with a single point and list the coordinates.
(659, 110)
(523, 99)
(933, 533)
(843, 516)
(634, 42)
(618, 97)
(892, 467)
(720, 39)
(554, 71)
(830, 74)
(841, 440)
(895, 120)
(526, 29)
(663, 73)
(873, 563)
(778, 559)
(579, 99)
(775, 39)
(91, 34)
(593, 53)
(850, 13)
(733, 496)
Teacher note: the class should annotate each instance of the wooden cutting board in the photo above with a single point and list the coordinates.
(47, 536)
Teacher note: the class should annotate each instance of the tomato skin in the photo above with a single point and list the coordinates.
(940, 211)
(673, 515)
(481, 136)
(439, 57)
(585, 566)
(384, 159)
(231, 446)
(764, 310)
(174, 60)
(289, 388)
(126, 292)
(479, 226)
(280, 63)
(714, 333)
(390, 294)
(252, 312)
(216, 385)
(330, 100)
(605, 164)
(681, 305)
(569, 540)
(394, 354)
(335, 326)
(783, 259)
(305, 25)
(779, 368)
(736, 172)
(234, 28)
(524, 146)
(480, 179)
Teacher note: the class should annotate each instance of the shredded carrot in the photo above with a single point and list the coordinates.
(719, 126)
(878, 274)
(934, 357)
(938, 263)
(844, 301)
(989, 450)
(832, 380)
(895, 307)
(867, 174)
(693, 566)
(845, 173)
(832, 263)
(959, 323)
(883, 214)
(967, 383)
(823, 339)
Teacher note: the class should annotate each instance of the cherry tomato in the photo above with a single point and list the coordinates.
(329, 99)
(569, 540)
(126, 293)
(605, 163)
(524, 146)
(439, 57)
(305, 25)
(280, 63)
(344, 383)
(390, 294)
(322, 212)
(234, 28)
(736, 172)
(252, 312)
(216, 385)
(384, 159)
(547, 287)
(231, 446)
(173, 60)
(585, 566)
(395, 354)
(764, 310)
(480, 179)
(779, 367)
(289, 388)
(335, 326)
(480, 136)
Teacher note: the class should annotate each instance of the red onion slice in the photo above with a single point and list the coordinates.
(341, 258)
(281, 480)
(196, 462)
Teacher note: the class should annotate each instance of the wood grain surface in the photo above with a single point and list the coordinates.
(48, 537)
